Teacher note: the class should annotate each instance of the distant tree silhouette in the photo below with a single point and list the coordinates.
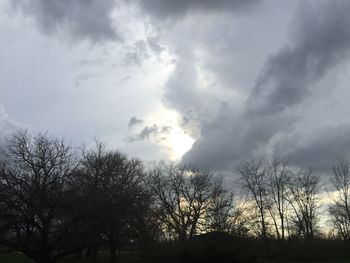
(339, 210)
(303, 196)
(277, 181)
(253, 181)
(221, 214)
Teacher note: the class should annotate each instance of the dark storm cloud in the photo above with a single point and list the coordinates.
(154, 133)
(231, 138)
(319, 148)
(92, 19)
(320, 43)
(170, 8)
(81, 19)
(264, 118)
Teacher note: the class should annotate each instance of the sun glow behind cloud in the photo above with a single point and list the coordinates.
(176, 142)
(179, 143)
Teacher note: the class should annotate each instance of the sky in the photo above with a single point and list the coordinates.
(201, 82)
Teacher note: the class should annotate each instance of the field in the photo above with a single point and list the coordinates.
(127, 258)
(122, 258)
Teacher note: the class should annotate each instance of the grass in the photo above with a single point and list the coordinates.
(103, 258)
(130, 258)
(290, 261)
(14, 258)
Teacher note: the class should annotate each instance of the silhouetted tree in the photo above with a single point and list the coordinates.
(113, 189)
(187, 199)
(253, 180)
(37, 209)
(303, 196)
(340, 209)
(278, 179)
(220, 214)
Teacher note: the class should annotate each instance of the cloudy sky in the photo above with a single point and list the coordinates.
(205, 82)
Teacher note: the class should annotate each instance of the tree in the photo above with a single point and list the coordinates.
(37, 209)
(112, 185)
(278, 179)
(340, 209)
(253, 181)
(186, 200)
(303, 196)
(221, 213)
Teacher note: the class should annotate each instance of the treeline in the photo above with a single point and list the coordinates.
(57, 200)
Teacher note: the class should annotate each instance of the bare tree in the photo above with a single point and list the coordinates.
(187, 200)
(278, 178)
(340, 221)
(253, 180)
(340, 210)
(221, 212)
(241, 218)
(37, 209)
(303, 196)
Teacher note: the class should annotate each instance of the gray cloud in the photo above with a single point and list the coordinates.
(231, 138)
(84, 77)
(320, 43)
(170, 8)
(80, 19)
(137, 53)
(152, 133)
(124, 79)
(180, 90)
(319, 148)
(189, 122)
(134, 121)
(322, 40)
(96, 62)
(154, 44)
(184, 92)
(235, 102)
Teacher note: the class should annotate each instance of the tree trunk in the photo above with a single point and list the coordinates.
(263, 225)
(282, 227)
(88, 253)
(113, 250)
(94, 253)
(79, 254)
(44, 260)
